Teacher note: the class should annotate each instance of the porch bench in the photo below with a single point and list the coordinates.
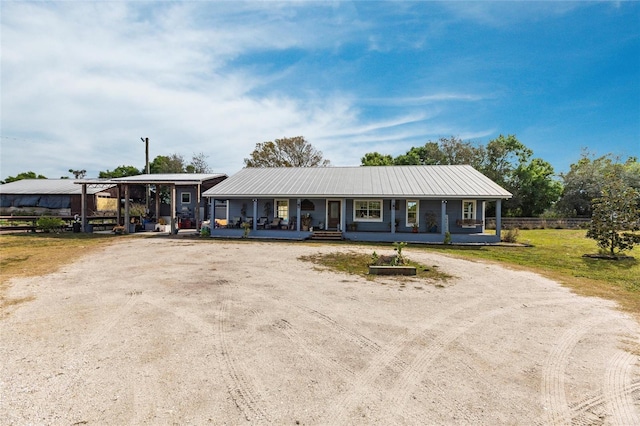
(469, 223)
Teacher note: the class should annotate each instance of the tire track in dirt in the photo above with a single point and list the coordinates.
(310, 352)
(80, 363)
(390, 356)
(100, 331)
(240, 390)
(358, 339)
(592, 408)
(143, 397)
(412, 378)
(552, 387)
(618, 389)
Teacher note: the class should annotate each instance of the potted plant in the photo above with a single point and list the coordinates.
(432, 222)
(415, 228)
(305, 221)
(246, 226)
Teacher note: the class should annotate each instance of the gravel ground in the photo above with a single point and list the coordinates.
(177, 331)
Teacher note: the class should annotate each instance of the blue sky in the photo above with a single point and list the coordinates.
(81, 82)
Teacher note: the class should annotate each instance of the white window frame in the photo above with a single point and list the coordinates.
(182, 194)
(276, 210)
(406, 214)
(474, 209)
(358, 218)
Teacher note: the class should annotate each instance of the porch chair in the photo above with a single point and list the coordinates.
(262, 223)
(275, 223)
(235, 223)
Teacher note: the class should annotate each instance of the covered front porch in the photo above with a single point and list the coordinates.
(363, 236)
(378, 220)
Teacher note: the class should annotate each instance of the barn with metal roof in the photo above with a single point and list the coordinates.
(46, 195)
(387, 203)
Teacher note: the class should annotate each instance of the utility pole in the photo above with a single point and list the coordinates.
(146, 151)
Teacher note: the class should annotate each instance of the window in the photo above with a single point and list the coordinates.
(367, 211)
(185, 197)
(412, 212)
(468, 209)
(282, 209)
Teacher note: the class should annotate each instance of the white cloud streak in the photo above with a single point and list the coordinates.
(83, 81)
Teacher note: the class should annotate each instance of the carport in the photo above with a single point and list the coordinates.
(199, 181)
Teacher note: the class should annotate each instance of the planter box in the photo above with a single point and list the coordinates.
(392, 270)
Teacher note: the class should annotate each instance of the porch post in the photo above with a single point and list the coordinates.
(298, 211)
(126, 208)
(443, 217)
(212, 219)
(498, 217)
(483, 213)
(255, 214)
(197, 212)
(343, 214)
(118, 204)
(173, 210)
(157, 203)
(83, 207)
(393, 215)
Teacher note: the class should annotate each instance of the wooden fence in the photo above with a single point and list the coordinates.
(538, 223)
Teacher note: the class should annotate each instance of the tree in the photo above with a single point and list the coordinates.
(199, 164)
(120, 171)
(78, 174)
(503, 156)
(586, 178)
(616, 215)
(173, 163)
(537, 188)
(376, 159)
(286, 152)
(505, 160)
(23, 175)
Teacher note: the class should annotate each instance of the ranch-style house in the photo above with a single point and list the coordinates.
(387, 203)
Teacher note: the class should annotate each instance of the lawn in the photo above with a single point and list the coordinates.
(557, 254)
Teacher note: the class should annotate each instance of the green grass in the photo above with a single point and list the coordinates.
(358, 264)
(557, 254)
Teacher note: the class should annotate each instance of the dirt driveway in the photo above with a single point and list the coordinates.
(172, 331)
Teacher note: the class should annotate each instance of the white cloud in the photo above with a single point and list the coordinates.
(82, 82)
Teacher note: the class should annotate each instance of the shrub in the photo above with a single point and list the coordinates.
(447, 238)
(47, 224)
(510, 235)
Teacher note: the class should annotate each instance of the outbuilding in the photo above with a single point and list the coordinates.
(182, 190)
(59, 197)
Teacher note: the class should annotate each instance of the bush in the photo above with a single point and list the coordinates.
(447, 238)
(510, 235)
(47, 224)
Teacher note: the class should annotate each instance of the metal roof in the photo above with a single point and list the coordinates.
(177, 178)
(49, 186)
(459, 181)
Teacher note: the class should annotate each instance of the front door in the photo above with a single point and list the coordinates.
(333, 217)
